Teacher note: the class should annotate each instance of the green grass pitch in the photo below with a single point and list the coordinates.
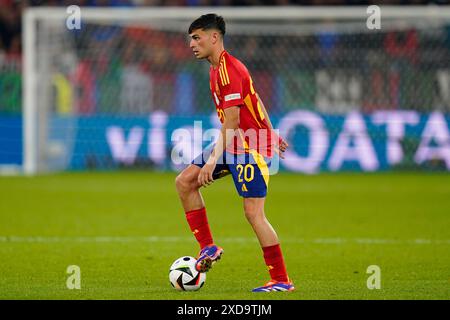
(124, 230)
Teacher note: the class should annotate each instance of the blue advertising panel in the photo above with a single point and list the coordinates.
(10, 140)
(356, 142)
(352, 142)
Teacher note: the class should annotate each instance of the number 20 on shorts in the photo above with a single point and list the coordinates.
(248, 171)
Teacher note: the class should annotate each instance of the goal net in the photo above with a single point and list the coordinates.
(348, 91)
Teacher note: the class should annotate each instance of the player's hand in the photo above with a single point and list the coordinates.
(205, 177)
(282, 146)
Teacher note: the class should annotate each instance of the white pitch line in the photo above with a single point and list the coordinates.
(125, 239)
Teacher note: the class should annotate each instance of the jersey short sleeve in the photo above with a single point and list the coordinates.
(230, 84)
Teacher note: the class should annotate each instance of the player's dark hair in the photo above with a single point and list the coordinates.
(207, 22)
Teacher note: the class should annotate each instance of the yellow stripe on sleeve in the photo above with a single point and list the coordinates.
(225, 71)
(221, 76)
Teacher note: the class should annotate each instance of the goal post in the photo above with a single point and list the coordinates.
(95, 97)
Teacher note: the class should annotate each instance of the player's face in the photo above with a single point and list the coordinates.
(201, 43)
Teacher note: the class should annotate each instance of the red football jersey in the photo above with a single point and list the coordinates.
(231, 85)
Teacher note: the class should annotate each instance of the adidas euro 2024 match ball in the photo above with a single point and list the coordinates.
(184, 277)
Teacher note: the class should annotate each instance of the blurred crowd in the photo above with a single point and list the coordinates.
(11, 11)
(135, 69)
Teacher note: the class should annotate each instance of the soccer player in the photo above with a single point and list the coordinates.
(243, 149)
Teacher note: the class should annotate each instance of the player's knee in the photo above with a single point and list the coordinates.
(253, 214)
(184, 183)
(180, 183)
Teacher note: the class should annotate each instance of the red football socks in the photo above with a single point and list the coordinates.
(275, 263)
(198, 222)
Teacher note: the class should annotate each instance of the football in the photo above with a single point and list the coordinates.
(184, 277)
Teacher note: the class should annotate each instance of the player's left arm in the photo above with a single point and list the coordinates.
(227, 133)
(282, 144)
